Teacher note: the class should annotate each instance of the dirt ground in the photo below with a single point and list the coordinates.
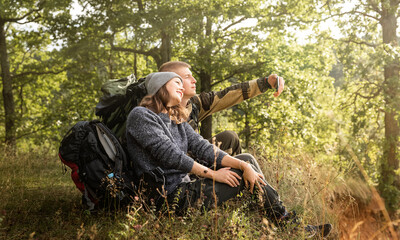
(363, 221)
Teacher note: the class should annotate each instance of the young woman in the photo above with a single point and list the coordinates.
(159, 140)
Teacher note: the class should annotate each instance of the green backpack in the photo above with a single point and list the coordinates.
(120, 96)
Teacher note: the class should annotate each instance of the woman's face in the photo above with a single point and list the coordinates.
(175, 91)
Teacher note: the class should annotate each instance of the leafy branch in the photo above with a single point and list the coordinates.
(38, 73)
(374, 6)
(153, 52)
(242, 69)
(32, 132)
(350, 40)
(359, 42)
(357, 94)
(17, 19)
(234, 23)
(352, 12)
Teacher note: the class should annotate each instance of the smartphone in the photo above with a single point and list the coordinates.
(277, 83)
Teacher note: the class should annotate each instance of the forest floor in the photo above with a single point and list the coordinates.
(39, 201)
(365, 222)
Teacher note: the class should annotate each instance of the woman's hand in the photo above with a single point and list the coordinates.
(225, 175)
(251, 177)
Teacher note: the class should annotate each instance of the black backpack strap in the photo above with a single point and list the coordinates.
(119, 154)
(70, 145)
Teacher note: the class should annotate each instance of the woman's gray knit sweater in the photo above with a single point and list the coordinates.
(156, 141)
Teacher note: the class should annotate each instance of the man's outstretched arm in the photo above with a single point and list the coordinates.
(211, 102)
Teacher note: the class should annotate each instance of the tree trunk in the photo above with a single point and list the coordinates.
(205, 77)
(247, 133)
(390, 162)
(9, 105)
(165, 49)
(135, 64)
(205, 86)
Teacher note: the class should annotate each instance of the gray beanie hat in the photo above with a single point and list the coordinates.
(154, 81)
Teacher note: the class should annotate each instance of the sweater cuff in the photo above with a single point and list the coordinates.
(263, 84)
(220, 155)
(187, 164)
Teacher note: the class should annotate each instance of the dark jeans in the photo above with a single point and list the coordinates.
(227, 141)
(205, 193)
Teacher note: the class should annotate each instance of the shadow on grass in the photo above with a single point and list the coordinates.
(38, 201)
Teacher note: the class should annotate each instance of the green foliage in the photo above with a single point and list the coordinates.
(301, 117)
(223, 39)
(390, 192)
(368, 52)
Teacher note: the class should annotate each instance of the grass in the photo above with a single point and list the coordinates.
(39, 201)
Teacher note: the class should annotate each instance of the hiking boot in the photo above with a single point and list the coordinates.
(289, 220)
(318, 231)
(290, 223)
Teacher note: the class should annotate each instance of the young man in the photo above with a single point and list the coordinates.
(204, 104)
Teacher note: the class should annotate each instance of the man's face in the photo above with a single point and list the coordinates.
(189, 82)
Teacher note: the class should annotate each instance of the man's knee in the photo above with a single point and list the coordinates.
(250, 159)
(228, 141)
(247, 158)
(227, 135)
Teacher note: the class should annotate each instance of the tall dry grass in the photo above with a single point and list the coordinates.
(39, 201)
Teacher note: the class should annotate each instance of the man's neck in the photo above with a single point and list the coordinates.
(184, 101)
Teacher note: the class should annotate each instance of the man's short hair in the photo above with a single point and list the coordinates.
(172, 65)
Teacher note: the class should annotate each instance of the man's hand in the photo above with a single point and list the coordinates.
(272, 80)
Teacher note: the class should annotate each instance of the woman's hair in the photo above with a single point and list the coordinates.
(158, 102)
